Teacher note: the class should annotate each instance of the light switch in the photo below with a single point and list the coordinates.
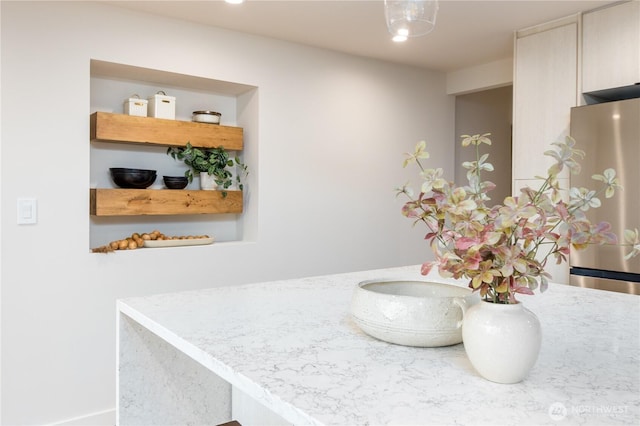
(27, 211)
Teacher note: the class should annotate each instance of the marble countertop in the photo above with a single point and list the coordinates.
(293, 346)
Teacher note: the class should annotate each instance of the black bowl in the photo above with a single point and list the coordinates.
(175, 182)
(132, 178)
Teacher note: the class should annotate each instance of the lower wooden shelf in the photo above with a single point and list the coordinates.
(138, 202)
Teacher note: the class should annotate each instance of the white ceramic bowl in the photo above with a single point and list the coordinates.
(210, 117)
(411, 313)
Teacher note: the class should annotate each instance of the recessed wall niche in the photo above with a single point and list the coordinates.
(111, 85)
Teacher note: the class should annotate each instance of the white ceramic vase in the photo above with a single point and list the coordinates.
(207, 181)
(501, 341)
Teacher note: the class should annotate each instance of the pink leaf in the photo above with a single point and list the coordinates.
(426, 267)
(523, 290)
(463, 243)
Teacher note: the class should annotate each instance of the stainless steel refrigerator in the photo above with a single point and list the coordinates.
(609, 133)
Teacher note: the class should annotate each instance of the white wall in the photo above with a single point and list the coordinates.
(332, 130)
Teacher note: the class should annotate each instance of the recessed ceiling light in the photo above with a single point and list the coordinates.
(234, 1)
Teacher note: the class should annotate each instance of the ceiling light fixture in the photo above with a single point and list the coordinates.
(401, 36)
(410, 18)
(234, 1)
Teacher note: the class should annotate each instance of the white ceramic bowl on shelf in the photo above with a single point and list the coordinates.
(210, 117)
(411, 313)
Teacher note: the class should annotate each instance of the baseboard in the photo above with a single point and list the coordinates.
(102, 418)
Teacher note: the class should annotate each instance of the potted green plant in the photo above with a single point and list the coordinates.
(210, 162)
(502, 251)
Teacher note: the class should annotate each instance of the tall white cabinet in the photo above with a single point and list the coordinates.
(545, 89)
(611, 47)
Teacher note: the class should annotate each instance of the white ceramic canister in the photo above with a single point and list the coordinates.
(162, 106)
(135, 106)
(210, 117)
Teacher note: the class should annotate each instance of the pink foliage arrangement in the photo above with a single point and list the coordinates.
(502, 250)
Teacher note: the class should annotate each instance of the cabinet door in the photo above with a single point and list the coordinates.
(611, 47)
(544, 92)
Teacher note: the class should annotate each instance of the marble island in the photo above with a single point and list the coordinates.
(288, 352)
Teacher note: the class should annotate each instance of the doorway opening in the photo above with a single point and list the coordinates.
(487, 111)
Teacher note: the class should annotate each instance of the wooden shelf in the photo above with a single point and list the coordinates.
(135, 202)
(124, 128)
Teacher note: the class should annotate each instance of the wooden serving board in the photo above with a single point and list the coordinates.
(178, 243)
